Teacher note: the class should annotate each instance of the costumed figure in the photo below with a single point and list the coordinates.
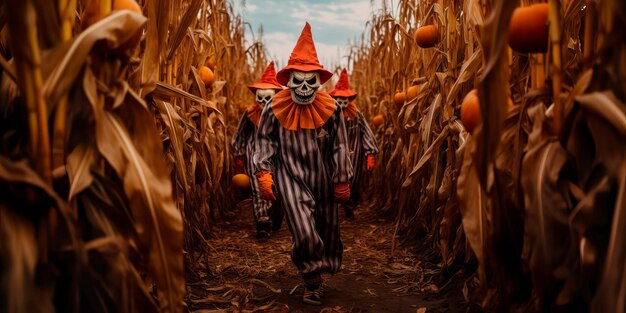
(301, 157)
(267, 214)
(362, 144)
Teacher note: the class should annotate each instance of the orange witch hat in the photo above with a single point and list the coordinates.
(267, 81)
(342, 89)
(303, 58)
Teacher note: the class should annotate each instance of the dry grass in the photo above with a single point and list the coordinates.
(246, 274)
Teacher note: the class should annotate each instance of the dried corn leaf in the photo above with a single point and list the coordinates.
(473, 205)
(174, 125)
(115, 29)
(546, 236)
(149, 191)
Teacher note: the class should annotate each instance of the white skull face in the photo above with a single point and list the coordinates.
(263, 96)
(303, 86)
(342, 102)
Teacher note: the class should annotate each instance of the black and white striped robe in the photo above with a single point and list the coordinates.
(243, 146)
(307, 163)
(361, 143)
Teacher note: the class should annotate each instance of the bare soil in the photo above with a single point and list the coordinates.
(240, 273)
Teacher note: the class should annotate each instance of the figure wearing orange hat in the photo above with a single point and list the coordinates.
(267, 215)
(302, 158)
(362, 144)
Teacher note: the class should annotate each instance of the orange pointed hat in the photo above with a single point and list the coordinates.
(267, 81)
(342, 89)
(303, 58)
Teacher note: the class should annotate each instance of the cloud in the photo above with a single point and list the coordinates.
(333, 22)
(328, 53)
(279, 46)
(350, 15)
(251, 7)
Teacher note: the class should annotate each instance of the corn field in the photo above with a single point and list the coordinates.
(115, 162)
(532, 200)
(113, 156)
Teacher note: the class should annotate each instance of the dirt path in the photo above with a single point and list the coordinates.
(245, 274)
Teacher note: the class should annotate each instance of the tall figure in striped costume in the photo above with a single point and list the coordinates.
(302, 158)
(362, 144)
(267, 215)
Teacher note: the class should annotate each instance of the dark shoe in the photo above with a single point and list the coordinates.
(263, 229)
(349, 213)
(277, 216)
(263, 234)
(277, 223)
(313, 297)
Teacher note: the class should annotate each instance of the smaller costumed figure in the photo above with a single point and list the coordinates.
(362, 144)
(267, 214)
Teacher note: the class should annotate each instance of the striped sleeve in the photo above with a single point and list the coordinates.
(266, 142)
(369, 142)
(341, 155)
(240, 137)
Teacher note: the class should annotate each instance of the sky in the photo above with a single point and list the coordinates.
(334, 23)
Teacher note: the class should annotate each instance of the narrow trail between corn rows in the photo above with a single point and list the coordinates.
(241, 273)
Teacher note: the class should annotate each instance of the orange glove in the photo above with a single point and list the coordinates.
(371, 162)
(240, 165)
(266, 183)
(342, 192)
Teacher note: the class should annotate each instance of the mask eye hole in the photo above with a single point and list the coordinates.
(312, 80)
(267, 98)
(297, 81)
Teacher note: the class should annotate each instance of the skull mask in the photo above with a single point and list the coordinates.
(263, 96)
(342, 102)
(303, 86)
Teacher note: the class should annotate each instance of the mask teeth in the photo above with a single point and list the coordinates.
(301, 99)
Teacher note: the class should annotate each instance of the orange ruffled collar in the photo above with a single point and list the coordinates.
(254, 113)
(293, 116)
(350, 111)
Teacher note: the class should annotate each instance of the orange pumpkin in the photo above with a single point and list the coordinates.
(93, 14)
(412, 92)
(132, 6)
(528, 29)
(470, 110)
(241, 181)
(206, 75)
(427, 36)
(211, 63)
(399, 98)
(378, 120)
(127, 5)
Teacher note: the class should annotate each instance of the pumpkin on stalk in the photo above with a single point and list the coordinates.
(241, 181)
(528, 29)
(401, 97)
(378, 120)
(470, 110)
(427, 36)
(207, 76)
